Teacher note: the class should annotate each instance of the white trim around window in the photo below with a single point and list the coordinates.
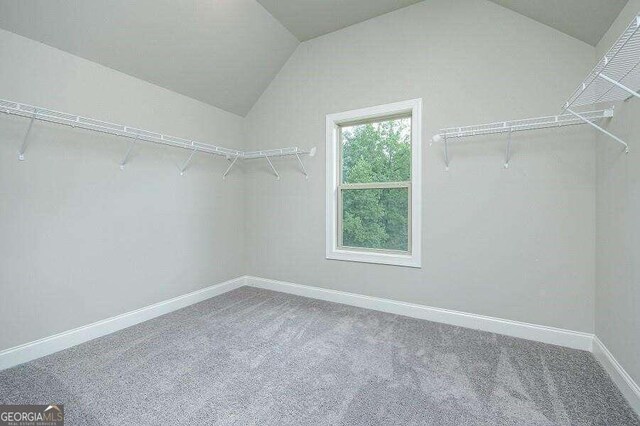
(413, 258)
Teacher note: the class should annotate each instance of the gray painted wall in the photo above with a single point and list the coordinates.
(517, 243)
(81, 240)
(618, 230)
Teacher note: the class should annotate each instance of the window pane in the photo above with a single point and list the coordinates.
(375, 218)
(377, 152)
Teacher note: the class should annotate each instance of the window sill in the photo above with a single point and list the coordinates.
(406, 260)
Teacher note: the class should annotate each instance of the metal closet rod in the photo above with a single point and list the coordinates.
(136, 134)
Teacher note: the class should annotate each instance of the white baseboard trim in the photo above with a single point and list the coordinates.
(620, 377)
(556, 336)
(540, 333)
(48, 345)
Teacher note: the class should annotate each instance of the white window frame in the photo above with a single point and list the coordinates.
(333, 250)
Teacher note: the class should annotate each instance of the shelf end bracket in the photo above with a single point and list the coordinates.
(304, 170)
(224, 176)
(183, 170)
(125, 160)
(507, 154)
(619, 85)
(606, 132)
(272, 168)
(25, 141)
(446, 153)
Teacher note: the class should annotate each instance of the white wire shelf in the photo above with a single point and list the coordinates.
(512, 126)
(136, 134)
(64, 118)
(616, 76)
(281, 152)
(520, 125)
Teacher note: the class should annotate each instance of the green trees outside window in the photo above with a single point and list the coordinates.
(375, 182)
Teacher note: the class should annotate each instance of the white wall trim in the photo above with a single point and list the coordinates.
(540, 333)
(620, 377)
(48, 345)
(556, 336)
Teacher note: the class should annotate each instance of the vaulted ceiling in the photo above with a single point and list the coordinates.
(586, 20)
(308, 19)
(226, 52)
(222, 52)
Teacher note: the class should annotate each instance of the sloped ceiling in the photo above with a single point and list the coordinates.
(308, 19)
(226, 52)
(586, 20)
(222, 52)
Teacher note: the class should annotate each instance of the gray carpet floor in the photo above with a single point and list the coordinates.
(258, 357)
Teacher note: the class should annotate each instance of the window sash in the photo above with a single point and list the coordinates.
(382, 185)
(376, 185)
(380, 119)
(370, 185)
(340, 162)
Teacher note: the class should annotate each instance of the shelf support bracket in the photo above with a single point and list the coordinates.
(446, 153)
(224, 176)
(304, 170)
(594, 125)
(617, 84)
(25, 141)
(186, 163)
(272, 168)
(507, 154)
(128, 154)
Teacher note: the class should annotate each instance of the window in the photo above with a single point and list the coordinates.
(373, 184)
